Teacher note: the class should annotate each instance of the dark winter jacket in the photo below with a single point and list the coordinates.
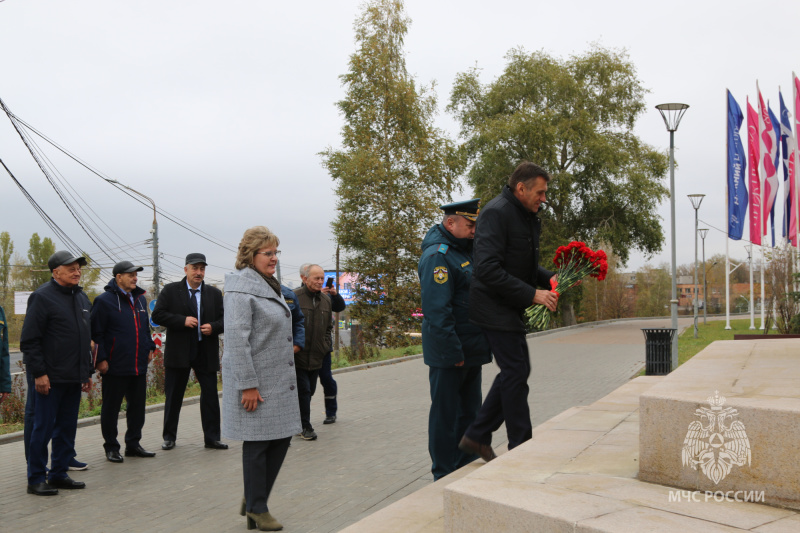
(5, 355)
(318, 315)
(445, 269)
(298, 321)
(507, 271)
(121, 331)
(56, 334)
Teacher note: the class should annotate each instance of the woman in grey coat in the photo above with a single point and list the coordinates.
(259, 393)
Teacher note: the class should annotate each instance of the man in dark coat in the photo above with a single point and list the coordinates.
(5, 358)
(121, 332)
(193, 315)
(452, 347)
(504, 284)
(55, 344)
(316, 307)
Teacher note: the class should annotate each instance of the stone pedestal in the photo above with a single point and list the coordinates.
(728, 423)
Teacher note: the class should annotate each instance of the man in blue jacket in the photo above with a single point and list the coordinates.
(505, 283)
(298, 321)
(55, 344)
(121, 331)
(453, 349)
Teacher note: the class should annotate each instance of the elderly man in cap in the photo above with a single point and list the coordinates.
(193, 315)
(121, 331)
(55, 342)
(453, 349)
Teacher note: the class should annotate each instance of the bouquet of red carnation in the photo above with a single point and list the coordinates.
(574, 262)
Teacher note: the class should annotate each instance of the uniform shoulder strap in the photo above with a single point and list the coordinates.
(443, 248)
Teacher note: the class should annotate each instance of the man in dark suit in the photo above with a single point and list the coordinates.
(193, 315)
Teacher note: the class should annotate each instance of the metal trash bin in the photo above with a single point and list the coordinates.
(658, 351)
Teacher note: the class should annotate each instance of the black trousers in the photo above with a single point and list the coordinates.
(329, 386)
(175, 380)
(306, 386)
(455, 400)
(55, 422)
(134, 390)
(507, 400)
(261, 462)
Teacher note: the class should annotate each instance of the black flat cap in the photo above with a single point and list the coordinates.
(124, 267)
(63, 257)
(193, 259)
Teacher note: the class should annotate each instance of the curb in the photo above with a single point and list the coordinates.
(94, 420)
(91, 421)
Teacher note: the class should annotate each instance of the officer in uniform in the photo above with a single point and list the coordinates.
(453, 349)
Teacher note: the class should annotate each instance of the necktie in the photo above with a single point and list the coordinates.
(195, 310)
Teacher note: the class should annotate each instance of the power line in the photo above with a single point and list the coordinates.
(71, 245)
(169, 216)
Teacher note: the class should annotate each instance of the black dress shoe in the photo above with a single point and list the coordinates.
(66, 483)
(114, 456)
(168, 445)
(470, 446)
(138, 451)
(216, 445)
(42, 489)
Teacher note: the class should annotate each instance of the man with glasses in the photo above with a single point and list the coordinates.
(193, 315)
(121, 332)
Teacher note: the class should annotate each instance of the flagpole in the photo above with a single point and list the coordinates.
(727, 215)
(796, 181)
(762, 182)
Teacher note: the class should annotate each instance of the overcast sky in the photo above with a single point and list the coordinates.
(217, 110)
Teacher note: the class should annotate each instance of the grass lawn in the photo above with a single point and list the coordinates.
(382, 355)
(714, 330)
(88, 409)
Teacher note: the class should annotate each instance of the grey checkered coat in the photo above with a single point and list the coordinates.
(258, 353)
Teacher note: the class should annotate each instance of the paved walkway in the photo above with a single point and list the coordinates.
(374, 455)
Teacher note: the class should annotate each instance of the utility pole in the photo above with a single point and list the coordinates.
(154, 232)
(336, 329)
(279, 271)
(156, 269)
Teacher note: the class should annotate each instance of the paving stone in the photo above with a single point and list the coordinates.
(375, 454)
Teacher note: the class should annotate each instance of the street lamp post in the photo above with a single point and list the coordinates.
(696, 200)
(672, 114)
(749, 248)
(153, 232)
(703, 233)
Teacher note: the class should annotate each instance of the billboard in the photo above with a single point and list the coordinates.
(346, 284)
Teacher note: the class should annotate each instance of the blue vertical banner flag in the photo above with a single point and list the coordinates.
(776, 156)
(737, 170)
(787, 142)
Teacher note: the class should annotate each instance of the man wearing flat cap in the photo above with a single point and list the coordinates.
(453, 349)
(55, 343)
(193, 315)
(121, 331)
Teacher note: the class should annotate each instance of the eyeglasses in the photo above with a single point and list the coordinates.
(270, 255)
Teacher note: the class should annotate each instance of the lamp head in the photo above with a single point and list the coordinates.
(696, 200)
(672, 114)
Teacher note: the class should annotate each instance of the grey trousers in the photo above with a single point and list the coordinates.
(261, 462)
